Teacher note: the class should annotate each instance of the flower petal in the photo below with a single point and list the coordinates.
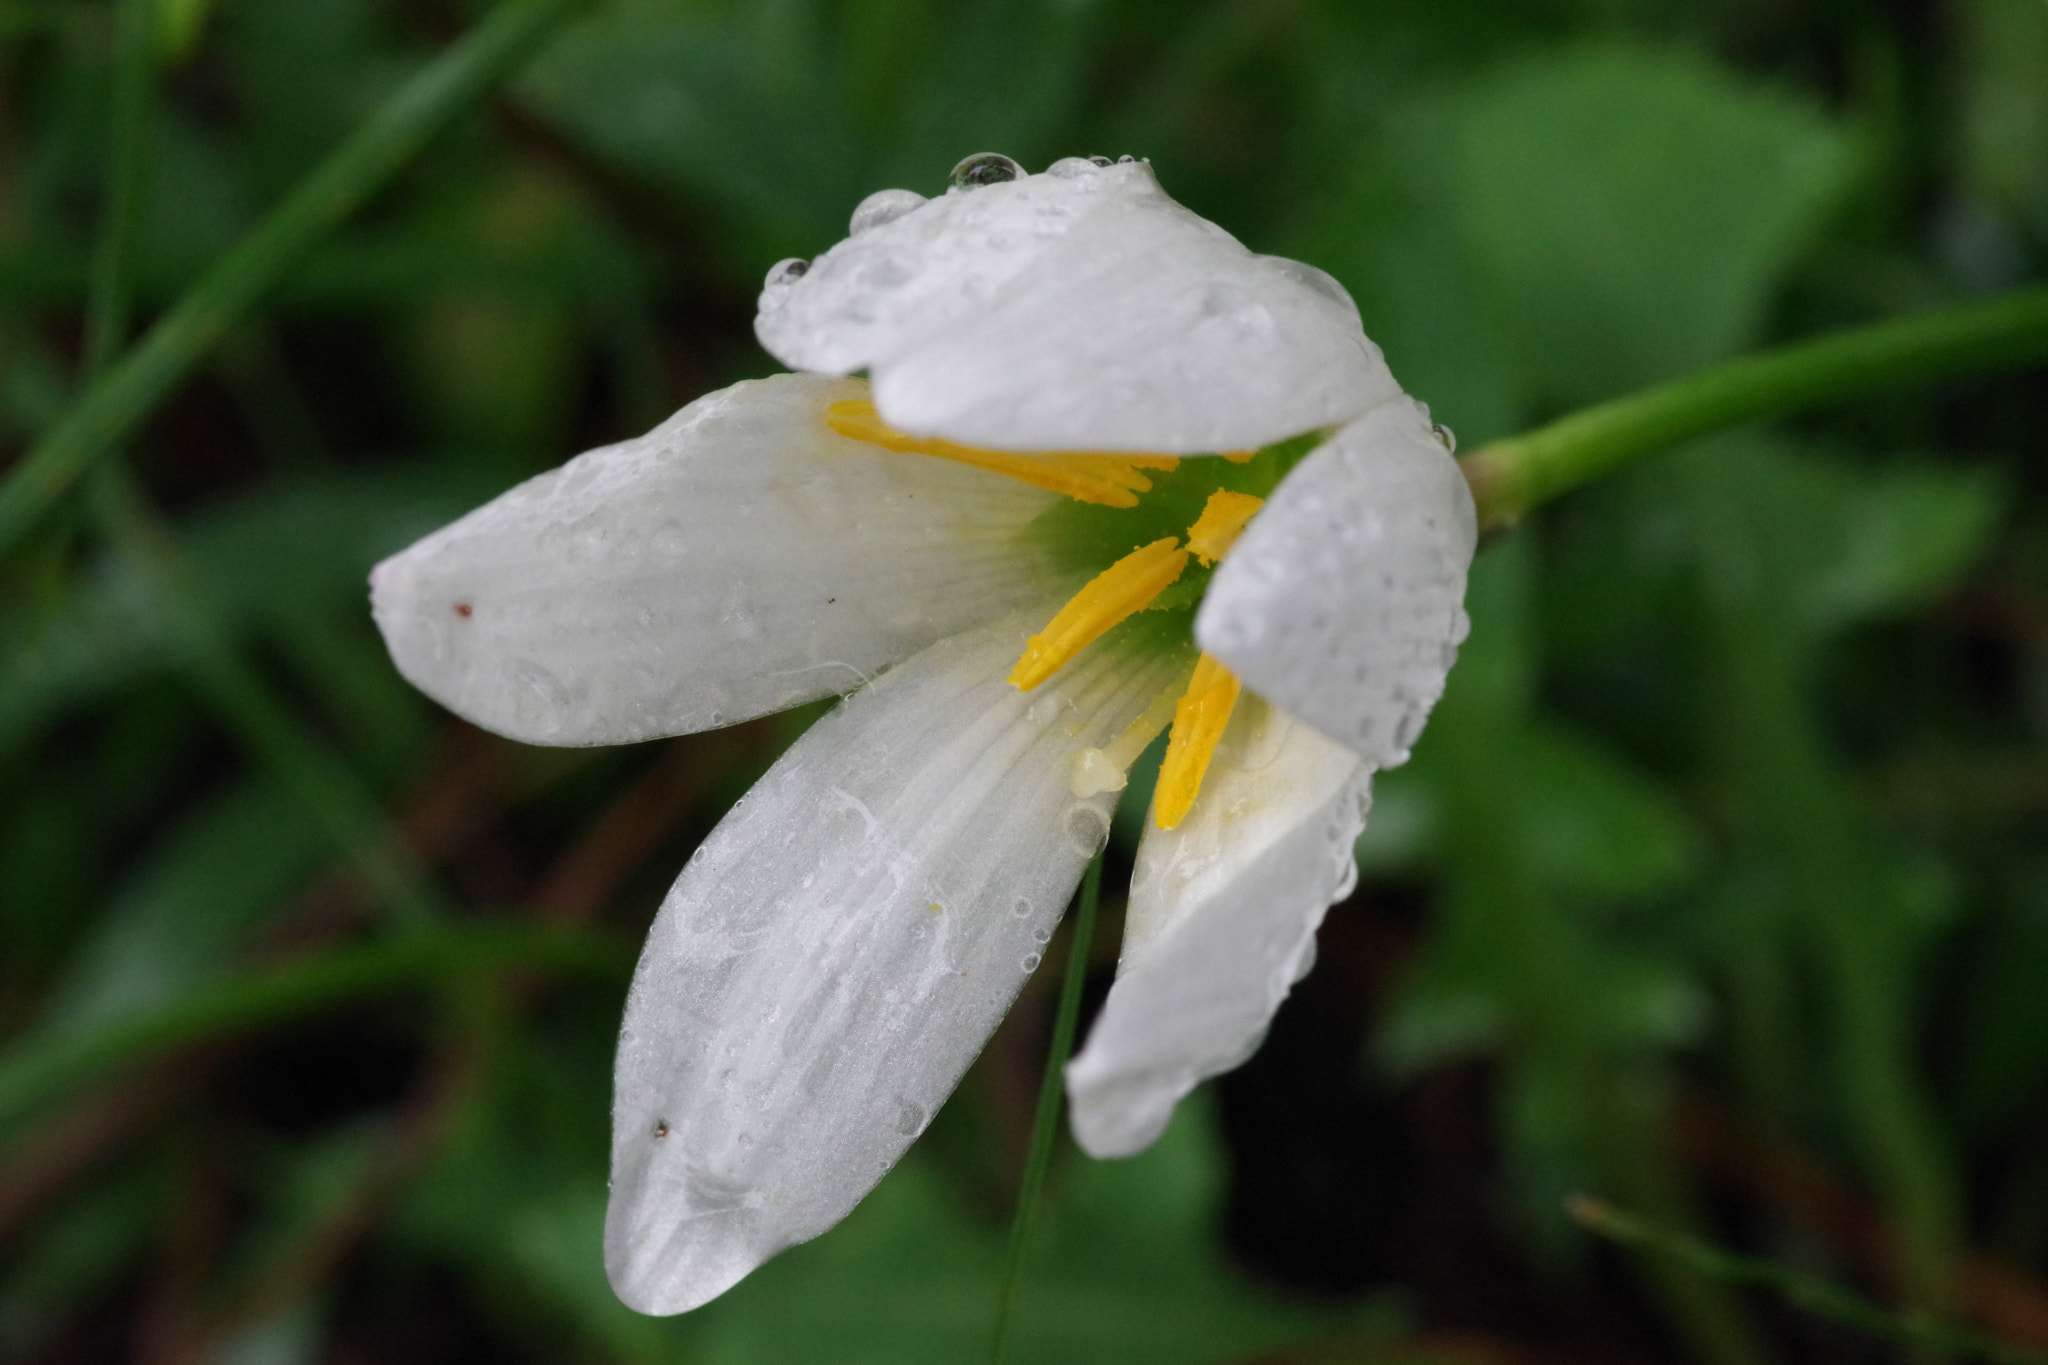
(1344, 600)
(1078, 309)
(738, 559)
(836, 952)
(1222, 922)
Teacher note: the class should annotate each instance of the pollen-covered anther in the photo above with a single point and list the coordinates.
(1105, 478)
(1221, 523)
(1198, 724)
(1118, 592)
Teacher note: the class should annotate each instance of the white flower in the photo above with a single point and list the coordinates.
(837, 951)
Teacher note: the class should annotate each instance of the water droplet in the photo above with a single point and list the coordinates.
(1126, 159)
(984, 168)
(1447, 437)
(1021, 908)
(1103, 160)
(745, 1139)
(909, 1117)
(787, 272)
(716, 718)
(1076, 167)
(1031, 961)
(1041, 935)
(883, 207)
(1086, 828)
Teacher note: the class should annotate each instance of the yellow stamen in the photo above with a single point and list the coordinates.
(1120, 590)
(1220, 524)
(1198, 723)
(1108, 479)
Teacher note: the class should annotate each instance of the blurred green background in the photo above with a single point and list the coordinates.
(1718, 886)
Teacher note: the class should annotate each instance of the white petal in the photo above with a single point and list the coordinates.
(738, 559)
(1079, 309)
(1344, 600)
(840, 947)
(1222, 922)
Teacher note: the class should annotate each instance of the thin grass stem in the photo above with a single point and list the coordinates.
(111, 410)
(47, 1065)
(1816, 1296)
(1045, 1124)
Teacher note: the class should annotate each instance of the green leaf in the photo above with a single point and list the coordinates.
(187, 911)
(1632, 210)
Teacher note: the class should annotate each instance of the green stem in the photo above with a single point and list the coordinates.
(1045, 1123)
(337, 797)
(1817, 1296)
(106, 322)
(39, 1069)
(110, 412)
(1512, 476)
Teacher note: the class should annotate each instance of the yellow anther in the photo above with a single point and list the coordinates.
(1198, 723)
(1105, 478)
(1120, 590)
(1220, 524)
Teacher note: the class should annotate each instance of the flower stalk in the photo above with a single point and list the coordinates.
(1045, 1123)
(1512, 477)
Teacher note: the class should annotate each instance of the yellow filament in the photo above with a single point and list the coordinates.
(1120, 590)
(1105, 769)
(1220, 524)
(1105, 478)
(1198, 723)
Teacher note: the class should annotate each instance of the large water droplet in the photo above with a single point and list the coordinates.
(1448, 437)
(1086, 829)
(881, 207)
(984, 168)
(909, 1117)
(787, 272)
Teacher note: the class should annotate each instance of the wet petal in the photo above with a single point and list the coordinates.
(1222, 922)
(1079, 309)
(738, 559)
(1344, 600)
(835, 954)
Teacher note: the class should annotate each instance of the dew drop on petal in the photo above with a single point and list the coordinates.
(1086, 829)
(1041, 935)
(787, 272)
(909, 1118)
(1031, 961)
(883, 207)
(1126, 159)
(984, 168)
(1448, 437)
(1021, 908)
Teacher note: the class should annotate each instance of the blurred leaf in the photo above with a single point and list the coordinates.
(76, 1255)
(286, 550)
(186, 913)
(1128, 1272)
(1632, 210)
(1822, 542)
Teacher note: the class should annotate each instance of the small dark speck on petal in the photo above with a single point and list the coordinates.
(830, 600)
(463, 610)
(661, 1129)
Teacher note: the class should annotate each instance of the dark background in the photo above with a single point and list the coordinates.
(1718, 887)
